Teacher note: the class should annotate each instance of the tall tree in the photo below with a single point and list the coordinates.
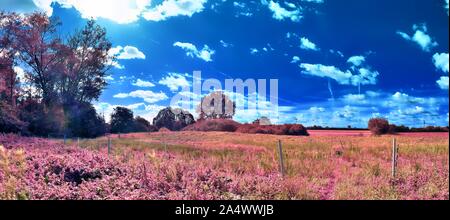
(85, 68)
(8, 77)
(42, 51)
(122, 120)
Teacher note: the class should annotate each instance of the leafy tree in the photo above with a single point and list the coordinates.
(85, 122)
(65, 76)
(216, 106)
(122, 120)
(142, 125)
(379, 126)
(84, 75)
(42, 51)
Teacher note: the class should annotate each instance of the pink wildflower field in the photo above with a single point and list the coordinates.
(232, 166)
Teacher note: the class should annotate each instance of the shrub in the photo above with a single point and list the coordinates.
(164, 129)
(122, 120)
(84, 121)
(225, 125)
(379, 126)
(9, 122)
(142, 125)
(287, 129)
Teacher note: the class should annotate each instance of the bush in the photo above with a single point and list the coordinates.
(9, 122)
(84, 121)
(43, 121)
(122, 120)
(142, 125)
(379, 126)
(225, 125)
(287, 129)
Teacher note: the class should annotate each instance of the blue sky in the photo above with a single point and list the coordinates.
(338, 63)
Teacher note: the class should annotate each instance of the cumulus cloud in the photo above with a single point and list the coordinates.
(172, 8)
(355, 98)
(253, 51)
(126, 53)
(356, 60)
(306, 44)
(225, 44)
(440, 60)
(332, 72)
(119, 11)
(446, 5)
(143, 83)
(443, 82)
(147, 95)
(420, 37)
(280, 13)
(295, 59)
(363, 77)
(175, 81)
(192, 51)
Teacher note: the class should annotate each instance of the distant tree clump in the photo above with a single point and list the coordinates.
(173, 119)
(225, 125)
(85, 122)
(379, 126)
(287, 129)
(142, 125)
(122, 120)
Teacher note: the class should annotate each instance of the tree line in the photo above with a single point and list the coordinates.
(61, 76)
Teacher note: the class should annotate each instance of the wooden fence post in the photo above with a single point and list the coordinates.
(109, 145)
(394, 158)
(280, 151)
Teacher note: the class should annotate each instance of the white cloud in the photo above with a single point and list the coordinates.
(192, 51)
(443, 82)
(356, 60)
(327, 71)
(253, 51)
(225, 44)
(172, 8)
(364, 76)
(147, 95)
(295, 59)
(126, 53)
(119, 11)
(446, 5)
(175, 81)
(142, 83)
(117, 65)
(355, 98)
(280, 13)
(441, 61)
(315, 110)
(306, 44)
(420, 37)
